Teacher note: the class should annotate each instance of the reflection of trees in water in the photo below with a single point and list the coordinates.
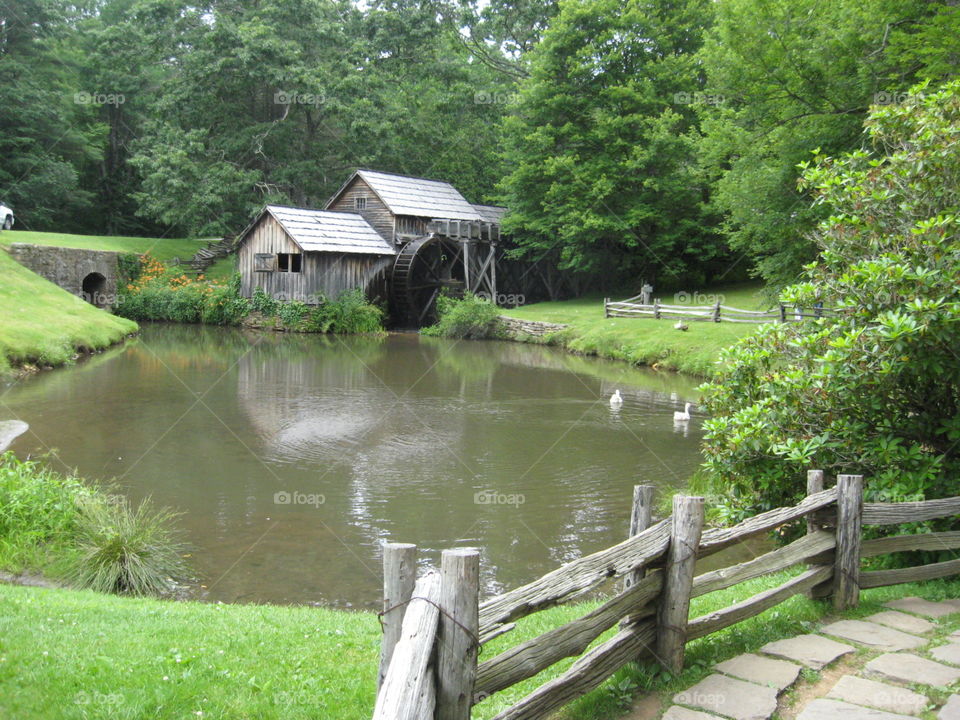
(471, 416)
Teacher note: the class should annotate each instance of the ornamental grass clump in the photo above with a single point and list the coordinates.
(126, 550)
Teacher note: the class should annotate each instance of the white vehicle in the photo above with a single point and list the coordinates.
(6, 217)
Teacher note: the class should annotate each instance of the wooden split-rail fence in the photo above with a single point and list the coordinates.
(435, 625)
(717, 312)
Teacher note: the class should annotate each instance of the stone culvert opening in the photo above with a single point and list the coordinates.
(94, 290)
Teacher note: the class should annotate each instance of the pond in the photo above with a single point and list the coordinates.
(293, 457)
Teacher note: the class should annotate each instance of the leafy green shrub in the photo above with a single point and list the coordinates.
(352, 314)
(164, 294)
(292, 313)
(56, 523)
(129, 268)
(126, 550)
(37, 508)
(875, 391)
(261, 302)
(224, 306)
(469, 317)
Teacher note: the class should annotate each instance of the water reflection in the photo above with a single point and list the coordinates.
(404, 438)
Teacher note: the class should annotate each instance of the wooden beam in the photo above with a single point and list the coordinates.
(846, 576)
(688, 515)
(399, 577)
(584, 675)
(408, 691)
(707, 624)
(529, 658)
(458, 640)
(717, 539)
(814, 485)
(806, 547)
(641, 515)
(880, 578)
(575, 577)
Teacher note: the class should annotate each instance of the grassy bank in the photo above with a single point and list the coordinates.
(78, 654)
(64, 528)
(43, 324)
(644, 341)
(164, 249)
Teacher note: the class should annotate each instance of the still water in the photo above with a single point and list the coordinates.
(294, 457)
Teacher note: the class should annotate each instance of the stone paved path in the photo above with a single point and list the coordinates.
(916, 670)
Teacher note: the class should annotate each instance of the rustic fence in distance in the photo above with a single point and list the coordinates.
(784, 312)
(434, 629)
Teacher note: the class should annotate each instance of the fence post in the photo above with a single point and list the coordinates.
(641, 514)
(678, 581)
(814, 485)
(846, 572)
(783, 313)
(457, 641)
(716, 312)
(606, 313)
(656, 308)
(409, 689)
(399, 577)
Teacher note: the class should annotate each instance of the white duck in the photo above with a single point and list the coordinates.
(682, 416)
(616, 400)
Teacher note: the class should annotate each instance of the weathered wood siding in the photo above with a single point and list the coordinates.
(375, 212)
(409, 225)
(324, 275)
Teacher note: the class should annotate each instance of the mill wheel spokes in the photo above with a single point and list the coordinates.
(423, 269)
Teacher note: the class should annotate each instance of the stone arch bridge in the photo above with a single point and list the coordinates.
(88, 274)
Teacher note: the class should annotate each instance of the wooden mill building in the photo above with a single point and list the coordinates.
(310, 255)
(406, 237)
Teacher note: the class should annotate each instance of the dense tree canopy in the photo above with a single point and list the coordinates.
(601, 143)
(161, 115)
(877, 390)
(795, 75)
(654, 139)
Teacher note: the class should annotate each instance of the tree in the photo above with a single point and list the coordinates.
(877, 390)
(797, 74)
(601, 140)
(46, 135)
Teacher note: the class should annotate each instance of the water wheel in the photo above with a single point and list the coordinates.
(424, 267)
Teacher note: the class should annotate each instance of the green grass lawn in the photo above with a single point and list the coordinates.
(645, 341)
(223, 269)
(42, 323)
(77, 654)
(164, 249)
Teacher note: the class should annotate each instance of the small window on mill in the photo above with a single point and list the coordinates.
(263, 262)
(360, 203)
(289, 262)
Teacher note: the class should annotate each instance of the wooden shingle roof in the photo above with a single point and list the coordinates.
(491, 213)
(328, 231)
(419, 197)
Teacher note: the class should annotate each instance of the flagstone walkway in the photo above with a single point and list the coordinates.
(916, 671)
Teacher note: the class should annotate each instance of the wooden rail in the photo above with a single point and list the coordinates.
(432, 631)
(784, 312)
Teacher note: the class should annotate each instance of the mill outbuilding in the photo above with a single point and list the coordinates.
(394, 237)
